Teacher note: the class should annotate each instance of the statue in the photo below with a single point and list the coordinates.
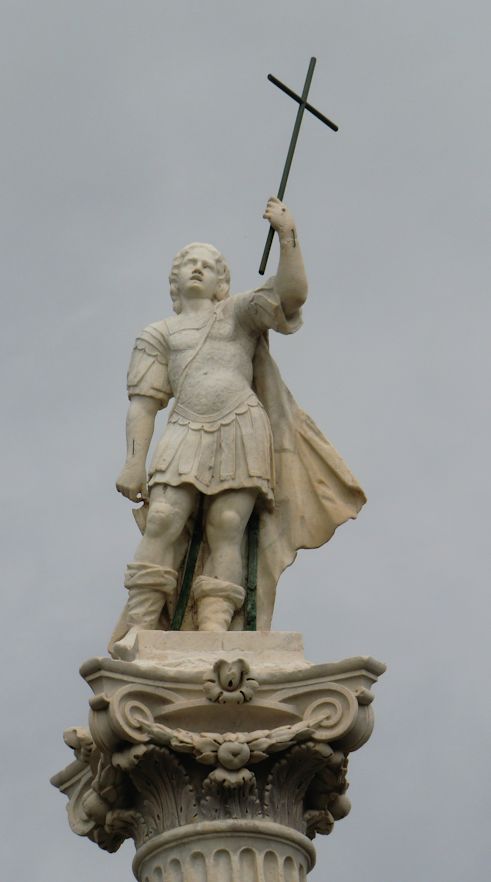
(235, 438)
(220, 754)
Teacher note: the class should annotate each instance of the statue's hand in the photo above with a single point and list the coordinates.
(132, 482)
(279, 216)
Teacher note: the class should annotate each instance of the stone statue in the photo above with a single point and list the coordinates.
(234, 435)
(211, 741)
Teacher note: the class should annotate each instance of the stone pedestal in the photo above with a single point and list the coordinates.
(221, 755)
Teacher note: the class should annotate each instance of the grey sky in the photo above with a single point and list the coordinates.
(129, 129)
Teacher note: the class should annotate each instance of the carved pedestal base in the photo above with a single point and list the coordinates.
(221, 755)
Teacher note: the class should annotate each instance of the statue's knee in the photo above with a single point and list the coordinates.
(161, 520)
(226, 524)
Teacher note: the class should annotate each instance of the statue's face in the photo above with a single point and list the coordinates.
(197, 276)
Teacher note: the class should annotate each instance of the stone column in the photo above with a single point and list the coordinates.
(221, 755)
(226, 851)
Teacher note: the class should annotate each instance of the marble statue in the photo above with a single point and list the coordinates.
(211, 741)
(234, 435)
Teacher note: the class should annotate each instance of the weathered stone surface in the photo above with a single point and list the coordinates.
(189, 650)
(247, 756)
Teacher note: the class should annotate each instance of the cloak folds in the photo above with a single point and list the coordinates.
(315, 491)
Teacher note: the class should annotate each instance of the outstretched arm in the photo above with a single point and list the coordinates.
(290, 280)
(140, 422)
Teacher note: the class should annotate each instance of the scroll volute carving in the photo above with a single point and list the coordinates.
(121, 716)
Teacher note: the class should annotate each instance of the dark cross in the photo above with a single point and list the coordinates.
(303, 105)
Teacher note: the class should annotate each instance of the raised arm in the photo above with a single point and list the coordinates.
(140, 422)
(290, 280)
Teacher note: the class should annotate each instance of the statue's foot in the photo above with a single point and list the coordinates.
(217, 601)
(125, 648)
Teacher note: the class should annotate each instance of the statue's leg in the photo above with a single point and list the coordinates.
(168, 513)
(151, 579)
(227, 519)
(219, 592)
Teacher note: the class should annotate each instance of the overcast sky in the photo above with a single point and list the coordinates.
(132, 128)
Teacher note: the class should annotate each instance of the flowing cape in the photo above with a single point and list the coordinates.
(315, 491)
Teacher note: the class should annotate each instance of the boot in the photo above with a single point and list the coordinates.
(216, 602)
(150, 587)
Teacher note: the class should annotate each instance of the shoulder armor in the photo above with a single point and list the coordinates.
(152, 340)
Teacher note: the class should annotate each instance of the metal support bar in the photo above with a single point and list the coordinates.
(189, 568)
(250, 623)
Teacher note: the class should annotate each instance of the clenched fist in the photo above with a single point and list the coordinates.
(132, 482)
(279, 216)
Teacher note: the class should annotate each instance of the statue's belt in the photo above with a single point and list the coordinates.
(244, 399)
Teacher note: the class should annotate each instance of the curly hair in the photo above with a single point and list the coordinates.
(223, 273)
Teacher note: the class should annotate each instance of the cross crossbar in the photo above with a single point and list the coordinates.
(308, 106)
(303, 105)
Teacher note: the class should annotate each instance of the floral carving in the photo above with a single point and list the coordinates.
(126, 823)
(326, 799)
(234, 750)
(137, 774)
(143, 789)
(230, 682)
(81, 742)
(228, 794)
(95, 789)
(230, 779)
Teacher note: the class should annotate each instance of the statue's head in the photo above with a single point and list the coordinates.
(198, 270)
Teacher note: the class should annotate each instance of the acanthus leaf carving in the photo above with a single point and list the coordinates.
(81, 742)
(164, 795)
(326, 800)
(287, 784)
(126, 823)
(228, 779)
(318, 821)
(228, 794)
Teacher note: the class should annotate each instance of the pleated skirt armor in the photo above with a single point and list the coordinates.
(222, 451)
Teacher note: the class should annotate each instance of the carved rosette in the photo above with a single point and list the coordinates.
(250, 793)
(230, 682)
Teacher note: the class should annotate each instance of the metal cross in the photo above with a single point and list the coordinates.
(303, 105)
